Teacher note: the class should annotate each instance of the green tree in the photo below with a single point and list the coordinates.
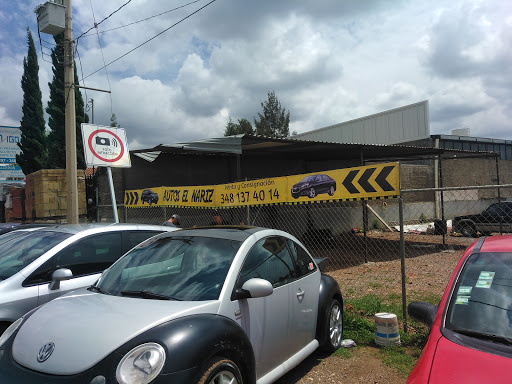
(34, 152)
(113, 121)
(275, 120)
(56, 111)
(230, 128)
(243, 126)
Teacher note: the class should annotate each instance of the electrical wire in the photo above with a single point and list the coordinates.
(103, 57)
(147, 41)
(41, 45)
(82, 72)
(96, 24)
(147, 18)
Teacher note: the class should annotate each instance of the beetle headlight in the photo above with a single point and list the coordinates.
(9, 331)
(141, 365)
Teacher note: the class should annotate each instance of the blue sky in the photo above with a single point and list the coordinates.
(328, 61)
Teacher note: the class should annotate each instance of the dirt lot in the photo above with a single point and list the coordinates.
(426, 273)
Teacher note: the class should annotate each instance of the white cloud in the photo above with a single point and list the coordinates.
(327, 61)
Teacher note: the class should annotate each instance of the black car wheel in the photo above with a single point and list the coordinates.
(221, 371)
(467, 230)
(331, 190)
(334, 327)
(312, 193)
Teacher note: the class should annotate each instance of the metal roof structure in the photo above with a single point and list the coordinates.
(258, 145)
(395, 126)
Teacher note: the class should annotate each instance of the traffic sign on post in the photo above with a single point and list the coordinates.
(105, 146)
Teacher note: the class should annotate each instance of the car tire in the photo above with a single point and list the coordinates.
(333, 327)
(331, 190)
(467, 230)
(312, 193)
(221, 371)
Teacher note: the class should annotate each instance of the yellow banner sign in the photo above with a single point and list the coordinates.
(366, 182)
(373, 181)
(200, 196)
(254, 192)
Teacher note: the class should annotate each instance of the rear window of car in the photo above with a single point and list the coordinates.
(482, 299)
(18, 252)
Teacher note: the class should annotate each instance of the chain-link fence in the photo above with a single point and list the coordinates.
(405, 246)
(363, 239)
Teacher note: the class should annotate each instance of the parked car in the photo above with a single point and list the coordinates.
(8, 227)
(471, 328)
(148, 196)
(201, 305)
(496, 218)
(313, 185)
(38, 265)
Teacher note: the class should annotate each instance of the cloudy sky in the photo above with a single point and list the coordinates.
(328, 61)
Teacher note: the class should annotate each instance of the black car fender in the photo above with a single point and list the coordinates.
(191, 341)
(329, 290)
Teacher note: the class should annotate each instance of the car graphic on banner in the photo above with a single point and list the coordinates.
(313, 185)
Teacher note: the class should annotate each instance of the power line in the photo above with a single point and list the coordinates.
(147, 18)
(96, 24)
(103, 57)
(147, 41)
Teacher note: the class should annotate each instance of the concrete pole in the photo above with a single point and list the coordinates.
(69, 74)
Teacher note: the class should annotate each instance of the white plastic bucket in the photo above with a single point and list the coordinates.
(386, 329)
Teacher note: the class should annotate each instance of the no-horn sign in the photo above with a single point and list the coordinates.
(105, 146)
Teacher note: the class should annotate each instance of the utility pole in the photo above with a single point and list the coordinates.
(69, 78)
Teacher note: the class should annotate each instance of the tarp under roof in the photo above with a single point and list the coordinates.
(258, 145)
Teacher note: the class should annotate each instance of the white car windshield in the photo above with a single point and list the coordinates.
(19, 251)
(176, 268)
(481, 305)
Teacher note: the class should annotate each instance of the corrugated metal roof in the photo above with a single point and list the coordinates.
(259, 145)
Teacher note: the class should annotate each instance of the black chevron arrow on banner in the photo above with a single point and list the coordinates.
(136, 198)
(131, 198)
(381, 178)
(347, 183)
(363, 180)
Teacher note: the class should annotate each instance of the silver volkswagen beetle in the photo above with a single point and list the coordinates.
(40, 264)
(213, 305)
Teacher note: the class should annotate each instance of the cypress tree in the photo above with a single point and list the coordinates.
(33, 145)
(56, 110)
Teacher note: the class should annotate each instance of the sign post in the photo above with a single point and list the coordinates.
(106, 147)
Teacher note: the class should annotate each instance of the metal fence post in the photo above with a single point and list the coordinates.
(402, 261)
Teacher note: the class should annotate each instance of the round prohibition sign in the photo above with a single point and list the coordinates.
(97, 155)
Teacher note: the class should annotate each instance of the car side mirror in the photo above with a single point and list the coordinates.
(59, 275)
(423, 312)
(253, 288)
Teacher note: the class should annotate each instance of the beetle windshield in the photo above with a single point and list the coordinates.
(179, 268)
(481, 305)
(19, 251)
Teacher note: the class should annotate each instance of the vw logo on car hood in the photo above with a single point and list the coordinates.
(45, 352)
(96, 316)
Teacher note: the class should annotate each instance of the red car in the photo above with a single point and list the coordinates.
(470, 338)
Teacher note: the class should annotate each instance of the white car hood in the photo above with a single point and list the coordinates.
(86, 327)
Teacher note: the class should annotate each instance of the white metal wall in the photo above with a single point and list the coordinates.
(395, 126)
